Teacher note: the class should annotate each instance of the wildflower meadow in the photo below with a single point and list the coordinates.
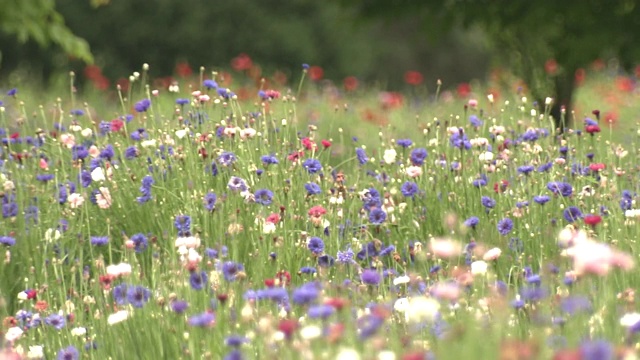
(196, 219)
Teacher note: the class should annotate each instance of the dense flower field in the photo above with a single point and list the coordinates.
(189, 224)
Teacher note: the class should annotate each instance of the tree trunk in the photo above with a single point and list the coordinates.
(564, 90)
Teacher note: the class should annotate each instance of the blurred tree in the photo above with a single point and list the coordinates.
(39, 21)
(545, 42)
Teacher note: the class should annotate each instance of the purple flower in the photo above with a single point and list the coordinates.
(572, 214)
(312, 189)
(545, 167)
(560, 188)
(542, 199)
(12, 92)
(488, 202)
(210, 84)
(234, 354)
(305, 294)
(183, 225)
(264, 197)
(471, 222)
(210, 201)
(312, 165)
(68, 353)
(202, 320)
(179, 306)
(575, 304)
(140, 242)
(346, 257)
(231, 269)
(137, 296)
(597, 350)
(377, 216)
(526, 169)
(316, 245)
(56, 321)
(235, 340)
(370, 277)
(459, 139)
(107, 153)
(79, 152)
(326, 261)
(505, 226)
(361, 156)
(45, 177)
(237, 184)
(99, 240)
(142, 105)
(418, 156)
(405, 143)
(198, 280)
(227, 158)
(269, 160)
(409, 189)
(85, 178)
(320, 311)
(475, 121)
(368, 325)
(131, 152)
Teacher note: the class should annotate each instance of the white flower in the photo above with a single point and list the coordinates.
(401, 305)
(247, 133)
(78, 331)
(35, 352)
(486, 156)
(421, 308)
(52, 235)
(632, 213)
(268, 228)
(348, 354)
(118, 317)
(87, 132)
(479, 267)
(401, 280)
(119, 269)
(310, 332)
(148, 143)
(13, 334)
(181, 133)
(386, 355)
(630, 319)
(98, 174)
(413, 171)
(187, 241)
(389, 156)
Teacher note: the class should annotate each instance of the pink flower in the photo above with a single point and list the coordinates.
(103, 198)
(75, 200)
(590, 257)
(94, 151)
(446, 291)
(68, 140)
(413, 171)
(445, 248)
(492, 254)
(43, 164)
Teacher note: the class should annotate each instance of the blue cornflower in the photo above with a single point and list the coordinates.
(575, 304)
(131, 152)
(418, 156)
(530, 135)
(182, 101)
(597, 350)
(521, 204)
(202, 320)
(120, 294)
(541, 199)
(107, 153)
(305, 294)
(346, 257)
(139, 134)
(312, 165)
(475, 121)
(183, 225)
(316, 245)
(361, 156)
(210, 84)
(526, 169)
(312, 189)
(226, 93)
(85, 178)
(572, 214)
(7, 240)
(210, 201)
(231, 269)
(227, 158)
(370, 277)
(545, 167)
(235, 340)
(472, 222)
(307, 270)
(320, 311)
(409, 189)
(198, 280)
(56, 321)
(405, 143)
(263, 196)
(68, 353)
(590, 122)
(179, 306)
(269, 160)
(138, 296)
(326, 260)
(459, 139)
(12, 92)
(234, 354)
(140, 242)
(10, 209)
(377, 216)
(368, 325)
(560, 188)
(79, 152)
(99, 240)
(488, 202)
(481, 181)
(45, 177)
(142, 105)
(505, 226)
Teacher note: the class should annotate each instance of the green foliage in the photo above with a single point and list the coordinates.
(39, 21)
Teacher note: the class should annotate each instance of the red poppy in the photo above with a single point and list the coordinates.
(326, 143)
(183, 69)
(592, 220)
(624, 84)
(551, 66)
(597, 166)
(316, 73)
(241, 62)
(592, 129)
(463, 90)
(391, 100)
(413, 77)
(350, 83)
(106, 281)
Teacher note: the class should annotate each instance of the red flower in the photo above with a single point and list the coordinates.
(336, 303)
(597, 166)
(592, 220)
(106, 281)
(316, 73)
(592, 129)
(325, 143)
(270, 282)
(31, 294)
(350, 83)
(611, 117)
(241, 62)
(116, 125)
(624, 84)
(92, 72)
(288, 326)
(183, 69)
(273, 218)
(294, 156)
(413, 77)
(203, 153)
(463, 90)
(317, 211)
(501, 186)
(284, 277)
(309, 144)
(14, 135)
